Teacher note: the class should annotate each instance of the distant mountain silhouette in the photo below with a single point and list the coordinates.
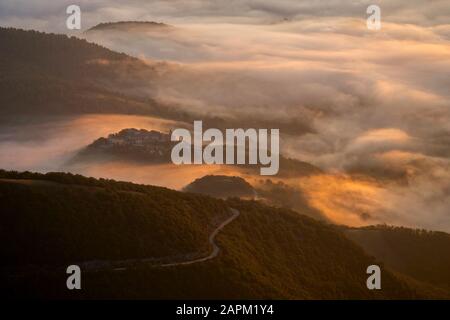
(222, 187)
(276, 194)
(130, 25)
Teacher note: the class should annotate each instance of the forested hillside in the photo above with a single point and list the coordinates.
(68, 219)
(221, 187)
(420, 254)
(47, 73)
(57, 219)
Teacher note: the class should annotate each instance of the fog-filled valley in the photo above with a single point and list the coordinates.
(376, 122)
(86, 119)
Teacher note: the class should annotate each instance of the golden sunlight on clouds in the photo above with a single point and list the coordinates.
(383, 135)
(164, 175)
(343, 199)
(369, 108)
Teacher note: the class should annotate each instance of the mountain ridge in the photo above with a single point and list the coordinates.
(119, 25)
(266, 252)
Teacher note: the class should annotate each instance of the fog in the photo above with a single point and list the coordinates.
(47, 144)
(372, 108)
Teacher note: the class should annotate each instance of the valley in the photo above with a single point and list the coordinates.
(361, 176)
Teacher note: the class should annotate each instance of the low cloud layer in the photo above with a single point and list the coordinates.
(373, 106)
(376, 104)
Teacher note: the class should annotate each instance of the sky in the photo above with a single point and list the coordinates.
(46, 15)
(367, 106)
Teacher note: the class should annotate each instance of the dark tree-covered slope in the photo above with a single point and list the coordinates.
(55, 219)
(420, 254)
(222, 187)
(47, 73)
(68, 219)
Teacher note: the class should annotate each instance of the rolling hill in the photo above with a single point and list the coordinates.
(420, 254)
(43, 74)
(222, 187)
(49, 221)
(70, 218)
(143, 146)
(55, 74)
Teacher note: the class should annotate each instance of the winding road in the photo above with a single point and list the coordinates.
(212, 237)
(122, 265)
